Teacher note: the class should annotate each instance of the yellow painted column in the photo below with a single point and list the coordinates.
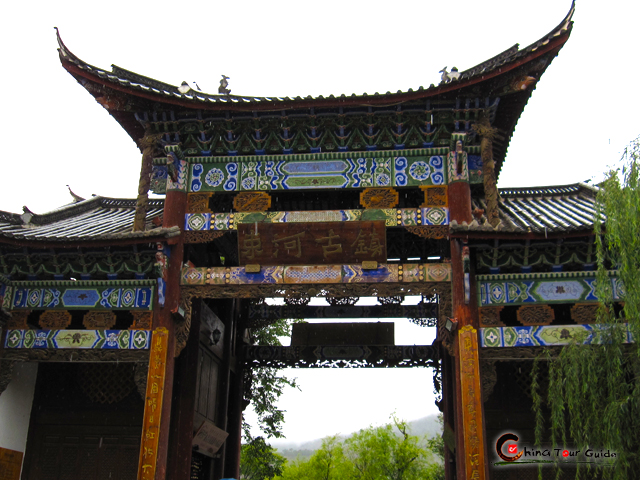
(471, 400)
(153, 405)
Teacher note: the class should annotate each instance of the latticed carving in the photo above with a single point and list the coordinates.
(141, 320)
(429, 231)
(488, 377)
(106, 383)
(104, 320)
(18, 320)
(584, 313)
(198, 203)
(55, 320)
(434, 197)
(297, 300)
(532, 315)
(392, 300)
(379, 198)
(252, 202)
(490, 317)
(140, 378)
(202, 236)
(342, 301)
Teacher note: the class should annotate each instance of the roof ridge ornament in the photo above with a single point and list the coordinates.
(222, 89)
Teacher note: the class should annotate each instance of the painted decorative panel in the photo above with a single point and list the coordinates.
(355, 172)
(515, 289)
(318, 274)
(66, 297)
(392, 217)
(551, 335)
(94, 339)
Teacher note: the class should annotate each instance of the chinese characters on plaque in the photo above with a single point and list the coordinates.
(153, 404)
(312, 243)
(471, 402)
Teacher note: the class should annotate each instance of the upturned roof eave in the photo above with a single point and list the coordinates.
(78, 68)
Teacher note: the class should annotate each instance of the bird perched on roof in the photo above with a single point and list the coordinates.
(222, 89)
(184, 87)
(76, 198)
(447, 77)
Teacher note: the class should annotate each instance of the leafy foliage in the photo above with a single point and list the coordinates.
(264, 385)
(594, 391)
(260, 461)
(387, 452)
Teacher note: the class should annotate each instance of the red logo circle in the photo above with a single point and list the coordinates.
(565, 453)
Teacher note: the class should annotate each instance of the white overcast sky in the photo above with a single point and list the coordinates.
(581, 116)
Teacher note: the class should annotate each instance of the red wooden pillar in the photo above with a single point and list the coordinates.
(469, 419)
(175, 206)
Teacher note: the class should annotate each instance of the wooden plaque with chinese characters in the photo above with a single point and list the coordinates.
(471, 403)
(153, 405)
(322, 243)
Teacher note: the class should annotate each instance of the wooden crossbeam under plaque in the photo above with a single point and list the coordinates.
(342, 356)
(380, 333)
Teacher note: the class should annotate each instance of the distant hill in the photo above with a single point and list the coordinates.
(427, 426)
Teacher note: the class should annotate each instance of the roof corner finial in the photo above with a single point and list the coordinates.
(222, 89)
(76, 198)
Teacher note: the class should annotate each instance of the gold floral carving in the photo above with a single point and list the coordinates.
(430, 231)
(379, 198)
(533, 315)
(435, 197)
(55, 320)
(99, 320)
(18, 320)
(582, 313)
(490, 317)
(198, 202)
(202, 236)
(141, 321)
(252, 202)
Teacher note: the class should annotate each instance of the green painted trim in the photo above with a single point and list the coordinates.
(541, 276)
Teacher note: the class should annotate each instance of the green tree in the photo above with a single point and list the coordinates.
(594, 391)
(389, 452)
(265, 385)
(260, 461)
(327, 463)
(381, 453)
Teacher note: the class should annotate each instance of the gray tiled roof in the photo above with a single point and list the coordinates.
(98, 218)
(125, 78)
(539, 210)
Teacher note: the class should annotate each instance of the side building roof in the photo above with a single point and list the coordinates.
(95, 219)
(537, 211)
